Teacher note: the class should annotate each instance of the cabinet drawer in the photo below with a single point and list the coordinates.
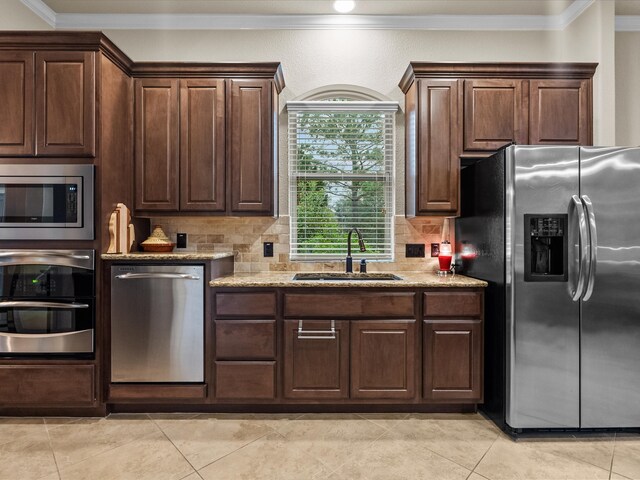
(245, 339)
(246, 304)
(452, 304)
(47, 385)
(367, 305)
(250, 380)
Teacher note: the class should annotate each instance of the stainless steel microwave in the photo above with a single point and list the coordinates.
(46, 202)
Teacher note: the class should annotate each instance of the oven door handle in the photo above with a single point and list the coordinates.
(29, 304)
(36, 336)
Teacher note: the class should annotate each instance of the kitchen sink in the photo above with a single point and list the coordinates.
(330, 276)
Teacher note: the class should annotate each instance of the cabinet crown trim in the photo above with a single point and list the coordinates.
(495, 70)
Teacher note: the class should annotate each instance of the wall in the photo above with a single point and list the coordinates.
(627, 94)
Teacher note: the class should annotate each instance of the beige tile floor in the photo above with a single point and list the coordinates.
(312, 446)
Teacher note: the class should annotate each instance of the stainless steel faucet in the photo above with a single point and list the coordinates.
(360, 243)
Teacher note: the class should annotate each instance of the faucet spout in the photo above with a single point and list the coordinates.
(363, 248)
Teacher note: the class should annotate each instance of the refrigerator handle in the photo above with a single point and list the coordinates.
(577, 292)
(593, 247)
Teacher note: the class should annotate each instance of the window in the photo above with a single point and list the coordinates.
(341, 157)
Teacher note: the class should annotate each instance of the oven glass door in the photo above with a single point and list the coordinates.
(46, 326)
(45, 281)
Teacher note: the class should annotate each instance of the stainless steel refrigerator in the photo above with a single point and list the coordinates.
(555, 230)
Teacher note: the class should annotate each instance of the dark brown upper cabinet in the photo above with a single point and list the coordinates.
(206, 144)
(16, 97)
(251, 162)
(468, 111)
(156, 141)
(494, 113)
(48, 100)
(560, 112)
(202, 145)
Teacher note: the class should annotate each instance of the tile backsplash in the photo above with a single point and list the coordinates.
(244, 237)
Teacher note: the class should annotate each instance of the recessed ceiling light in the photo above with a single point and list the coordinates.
(343, 6)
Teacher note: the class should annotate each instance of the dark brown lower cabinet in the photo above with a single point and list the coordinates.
(383, 359)
(452, 369)
(316, 368)
(249, 380)
(56, 385)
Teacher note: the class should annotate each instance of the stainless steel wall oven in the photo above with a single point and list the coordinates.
(47, 303)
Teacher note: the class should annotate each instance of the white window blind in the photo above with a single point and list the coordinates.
(341, 161)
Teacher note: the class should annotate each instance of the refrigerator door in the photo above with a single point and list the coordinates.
(610, 337)
(543, 356)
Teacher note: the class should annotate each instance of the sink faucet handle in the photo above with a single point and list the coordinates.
(363, 266)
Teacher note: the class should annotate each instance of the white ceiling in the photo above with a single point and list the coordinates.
(319, 14)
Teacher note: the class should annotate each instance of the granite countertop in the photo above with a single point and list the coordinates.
(408, 280)
(165, 256)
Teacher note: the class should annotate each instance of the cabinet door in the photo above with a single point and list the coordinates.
(316, 367)
(65, 103)
(202, 145)
(495, 113)
(560, 112)
(16, 100)
(251, 163)
(156, 138)
(438, 165)
(383, 359)
(452, 360)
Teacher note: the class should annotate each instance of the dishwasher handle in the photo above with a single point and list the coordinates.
(171, 276)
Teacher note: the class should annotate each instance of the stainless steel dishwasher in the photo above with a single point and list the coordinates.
(157, 323)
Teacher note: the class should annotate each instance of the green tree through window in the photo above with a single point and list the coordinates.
(341, 176)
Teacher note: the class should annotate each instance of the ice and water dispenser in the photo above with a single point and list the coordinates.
(545, 248)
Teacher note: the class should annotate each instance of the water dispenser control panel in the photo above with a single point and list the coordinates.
(545, 248)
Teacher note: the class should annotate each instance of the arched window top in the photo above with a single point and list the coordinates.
(342, 92)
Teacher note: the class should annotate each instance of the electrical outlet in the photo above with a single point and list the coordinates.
(435, 249)
(414, 250)
(181, 240)
(267, 249)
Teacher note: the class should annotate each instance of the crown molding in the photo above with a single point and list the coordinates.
(42, 10)
(136, 21)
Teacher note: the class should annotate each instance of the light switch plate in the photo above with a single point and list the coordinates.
(181, 240)
(435, 249)
(267, 249)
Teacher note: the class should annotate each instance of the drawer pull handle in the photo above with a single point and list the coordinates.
(317, 334)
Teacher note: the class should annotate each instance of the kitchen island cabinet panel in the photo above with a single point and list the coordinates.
(316, 368)
(383, 355)
(65, 103)
(156, 144)
(16, 98)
